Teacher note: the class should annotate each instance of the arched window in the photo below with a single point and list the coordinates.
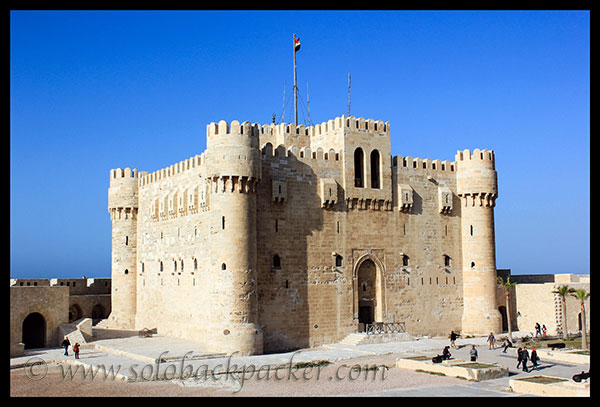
(338, 260)
(375, 176)
(359, 178)
(223, 266)
(161, 268)
(195, 264)
(276, 262)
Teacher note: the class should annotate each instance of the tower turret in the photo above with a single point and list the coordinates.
(123, 208)
(233, 162)
(477, 187)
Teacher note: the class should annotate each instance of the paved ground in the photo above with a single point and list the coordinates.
(185, 369)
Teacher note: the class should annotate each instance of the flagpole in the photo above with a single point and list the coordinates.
(295, 87)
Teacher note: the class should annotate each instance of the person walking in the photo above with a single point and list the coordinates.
(76, 350)
(534, 358)
(492, 340)
(473, 353)
(65, 344)
(519, 357)
(453, 337)
(524, 357)
(544, 329)
(538, 329)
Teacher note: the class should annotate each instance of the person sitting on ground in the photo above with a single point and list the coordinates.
(446, 353)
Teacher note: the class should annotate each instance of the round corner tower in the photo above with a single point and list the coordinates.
(477, 187)
(123, 208)
(233, 172)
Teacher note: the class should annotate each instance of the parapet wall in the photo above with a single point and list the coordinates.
(77, 286)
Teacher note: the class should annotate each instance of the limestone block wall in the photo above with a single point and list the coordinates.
(173, 270)
(537, 303)
(52, 303)
(305, 297)
(429, 294)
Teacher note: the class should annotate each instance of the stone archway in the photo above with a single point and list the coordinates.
(98, 313)
(34, 331)
(368, 283)
(75, 313)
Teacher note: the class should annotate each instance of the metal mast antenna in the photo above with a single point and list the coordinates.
(308, 103)
(348, 94)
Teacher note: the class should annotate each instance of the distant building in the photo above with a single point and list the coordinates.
(533, 301)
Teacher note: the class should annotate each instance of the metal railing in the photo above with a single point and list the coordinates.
(385, 328)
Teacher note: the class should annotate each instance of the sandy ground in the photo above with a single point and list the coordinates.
(336, 379)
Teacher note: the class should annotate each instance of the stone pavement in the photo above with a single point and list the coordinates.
(138, 359)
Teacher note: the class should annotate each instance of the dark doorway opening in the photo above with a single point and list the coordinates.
(502, 310)
(365, 314)
(34, 331)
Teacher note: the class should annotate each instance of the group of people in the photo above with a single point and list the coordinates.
(540, 330)
(522, 354)
(66, 343)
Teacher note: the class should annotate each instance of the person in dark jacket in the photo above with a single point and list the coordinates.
(446, 353)
(507, 344)
(65, 344)
(453, 337)
(524, 357)
(534, 358)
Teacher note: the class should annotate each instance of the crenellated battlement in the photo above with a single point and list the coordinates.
(172, 170)
(127, 173)
(223, 128)
(476, 177)
(419, 164)
(477, 155)
(289, 129)
(304, 154)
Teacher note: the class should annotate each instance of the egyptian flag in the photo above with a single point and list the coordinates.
(296, 44)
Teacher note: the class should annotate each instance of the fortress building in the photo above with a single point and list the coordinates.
(282, 236)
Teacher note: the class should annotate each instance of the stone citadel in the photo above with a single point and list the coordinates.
(282, 236)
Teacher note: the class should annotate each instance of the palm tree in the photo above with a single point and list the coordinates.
(507, 285)
(562, 292)
(582, 295)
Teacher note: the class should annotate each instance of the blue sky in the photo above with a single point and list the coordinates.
(91, 91)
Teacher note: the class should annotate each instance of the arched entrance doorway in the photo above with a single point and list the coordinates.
(34, 331)
(368, 292)
(502, 310)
